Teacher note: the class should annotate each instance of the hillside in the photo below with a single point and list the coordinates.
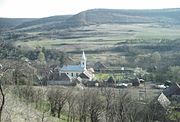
(43, 22)
(6, 23)
(100, 16)
(108, 16)
(109, 24)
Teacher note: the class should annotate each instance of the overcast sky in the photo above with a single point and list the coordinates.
(44, 8)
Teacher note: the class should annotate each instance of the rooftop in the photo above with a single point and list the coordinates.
(72, 68)
(163, 100)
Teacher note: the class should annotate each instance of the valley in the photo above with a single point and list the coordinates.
(134, 53)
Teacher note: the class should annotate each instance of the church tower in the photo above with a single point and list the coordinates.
(83, 60)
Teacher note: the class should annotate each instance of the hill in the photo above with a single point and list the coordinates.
(110, 16)
(43, 22)
(6, 23)
(96, 17)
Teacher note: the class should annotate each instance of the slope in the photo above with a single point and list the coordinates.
(44, 21)
(109, 16)
(6, 23)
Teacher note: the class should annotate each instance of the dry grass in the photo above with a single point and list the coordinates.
(17, 111)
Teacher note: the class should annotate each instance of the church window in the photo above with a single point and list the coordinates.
(77, 74)
(72, 74)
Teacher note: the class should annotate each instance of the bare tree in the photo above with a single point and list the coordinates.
(41, 103)
(109, 95)
(26, 93)
(122, 102)
(38, 97)
(57, 99)
(96, 106)
(3, 100)
(71, 107)
(83, 105)
(1, 91)
(134, 111)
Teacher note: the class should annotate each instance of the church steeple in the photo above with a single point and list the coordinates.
(83, 60)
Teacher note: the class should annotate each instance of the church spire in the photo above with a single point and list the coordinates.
(83, 60)
(83, 56)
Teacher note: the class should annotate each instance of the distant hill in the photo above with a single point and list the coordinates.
(110, 16)
(95, 16)
(47, 21)
(6, 23)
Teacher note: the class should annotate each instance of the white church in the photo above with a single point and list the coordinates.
(78, 71)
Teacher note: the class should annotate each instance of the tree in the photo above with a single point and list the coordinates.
(83, 105)
(41, 57)
(23, 73)
(122, 104)
(41, 103)
(62, 59)
(95, 106)
(139, 72)
(134, 111)
(57, 99)
(156, 57)
(71, 107)
(152, 111)
(174, 73)
(1, 91)
(3, 100)
(26, 93)
(109, 104)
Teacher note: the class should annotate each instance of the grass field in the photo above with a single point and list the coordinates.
(98, 41)
(105, 76)
(106, 36)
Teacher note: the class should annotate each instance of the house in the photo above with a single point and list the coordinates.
(62, 79)
(174, 89)
(173, 92)
(109, 82)
(163, 101)
(87, 75)
(136, 82)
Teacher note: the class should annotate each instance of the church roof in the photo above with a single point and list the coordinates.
(72, 68)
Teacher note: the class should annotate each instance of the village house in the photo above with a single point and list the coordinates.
(173, 92)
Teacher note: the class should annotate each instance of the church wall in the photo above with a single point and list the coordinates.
(72, 74)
